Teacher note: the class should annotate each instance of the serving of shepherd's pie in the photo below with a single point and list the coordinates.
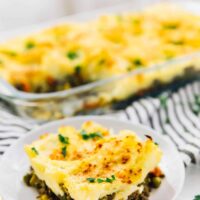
(93, 163)
(72, 54)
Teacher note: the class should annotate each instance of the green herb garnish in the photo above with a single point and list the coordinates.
(78, 69)
(137, 62)
(12, 53)
(91, 180)
(94, 135)
(197, 100)
(169, 57)
(163, 101)
(197, 197)
(72, 55)
(101, 180)
(167, 121)
(62, 139)
(64, 151)
(171, 26)
(30, 45)
(196, 109)
(102, 61)
(108, 180)
(87, 136)
(136, 20)
(196, 105)
(113, 177)
(35, 150)
(178, 42)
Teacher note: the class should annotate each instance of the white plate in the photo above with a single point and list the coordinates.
(14, 164)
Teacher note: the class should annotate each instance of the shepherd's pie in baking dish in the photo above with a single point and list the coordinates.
(72, 54)
(93, 164)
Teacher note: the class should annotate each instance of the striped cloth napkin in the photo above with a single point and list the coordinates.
(175, 114)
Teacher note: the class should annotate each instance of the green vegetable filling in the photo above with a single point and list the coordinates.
(150, 183)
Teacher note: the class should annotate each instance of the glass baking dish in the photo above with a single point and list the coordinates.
(104, 94)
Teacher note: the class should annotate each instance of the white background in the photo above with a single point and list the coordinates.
(18, 13)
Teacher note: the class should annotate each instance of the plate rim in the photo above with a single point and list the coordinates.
(110, 118)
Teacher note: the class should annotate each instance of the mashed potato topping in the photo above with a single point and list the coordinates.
(73, 54)
(92, 163)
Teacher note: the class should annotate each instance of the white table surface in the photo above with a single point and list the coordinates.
(18, 13)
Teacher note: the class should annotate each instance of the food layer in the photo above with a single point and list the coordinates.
(93, 162)
(72, 54)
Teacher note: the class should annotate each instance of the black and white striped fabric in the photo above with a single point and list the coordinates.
(11, 128)
(175, 118)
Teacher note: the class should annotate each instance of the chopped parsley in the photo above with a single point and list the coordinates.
(102, 61)
(137, 62)
(12, 53)
(136, 21)
(64, 151)
(169, 57)
(101, 180)
(196, 109)
(108, 180)
(35, 150)
(87, 136)
(171, 26)
(72, 55)
(197, 100)
(163, 101)
(167, 121)
(178, 42)
(197, 197)
(30, 45)
(130, 68)
(113, 177)
(62, 139)
(78, 69)
(196, 105)
(91, 180)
